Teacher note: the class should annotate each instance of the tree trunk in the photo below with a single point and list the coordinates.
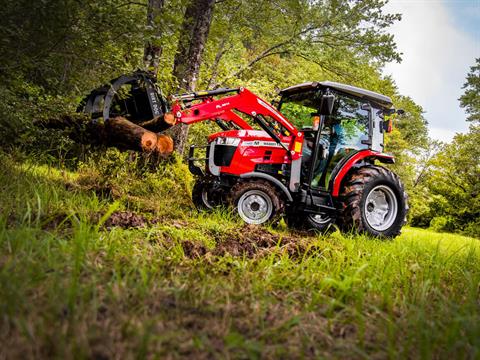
(186, 67)
(153, 50)
(124, 134)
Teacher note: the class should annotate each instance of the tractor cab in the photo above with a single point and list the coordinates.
(337, 121)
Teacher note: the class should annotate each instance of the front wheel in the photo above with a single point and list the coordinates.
(256, 202)
(374, 202)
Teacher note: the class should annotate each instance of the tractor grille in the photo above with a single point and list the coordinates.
(223, 155)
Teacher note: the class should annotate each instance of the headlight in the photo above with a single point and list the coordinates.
(228, 141)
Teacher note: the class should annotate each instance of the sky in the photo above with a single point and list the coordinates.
(440, 40)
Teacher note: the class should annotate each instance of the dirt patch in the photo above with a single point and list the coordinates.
(129, 219)
(126, 219)
(249, 241)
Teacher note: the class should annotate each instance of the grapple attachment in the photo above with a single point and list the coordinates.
(135, 97)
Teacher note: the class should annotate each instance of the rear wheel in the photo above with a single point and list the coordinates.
(374, 202)
(310, 222)
(256, 202)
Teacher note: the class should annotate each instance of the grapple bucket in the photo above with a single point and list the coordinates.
(135, 97)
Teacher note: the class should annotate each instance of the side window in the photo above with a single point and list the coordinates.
(350, 122)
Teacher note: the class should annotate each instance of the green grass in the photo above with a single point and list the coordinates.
(71, 285)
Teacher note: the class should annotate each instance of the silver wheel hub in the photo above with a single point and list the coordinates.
(381, 207)
(255, 207)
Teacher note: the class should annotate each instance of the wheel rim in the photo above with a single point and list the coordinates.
(255, 207)
(320, 219)
(381, 208)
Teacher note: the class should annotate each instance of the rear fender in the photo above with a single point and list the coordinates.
(354, 159)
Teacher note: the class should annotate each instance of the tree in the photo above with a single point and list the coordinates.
(322, 33)
(188, 58)
(455, 178)
(153, 46)
(470, 100)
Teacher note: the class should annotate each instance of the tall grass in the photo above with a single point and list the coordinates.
(71, 287)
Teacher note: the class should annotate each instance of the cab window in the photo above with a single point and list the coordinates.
(349, 122)
(298, 108)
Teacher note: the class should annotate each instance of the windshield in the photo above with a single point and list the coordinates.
(299, 108)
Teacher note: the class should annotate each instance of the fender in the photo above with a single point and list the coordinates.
(352, 160)
(276, 182)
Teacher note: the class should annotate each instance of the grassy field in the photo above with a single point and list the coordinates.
(105, 263)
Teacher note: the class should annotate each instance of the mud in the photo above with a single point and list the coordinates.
(249, 241)
(126, 220)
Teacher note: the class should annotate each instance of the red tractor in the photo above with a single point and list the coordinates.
(318, 172)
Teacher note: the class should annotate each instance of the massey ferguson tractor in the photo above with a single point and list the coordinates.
(310, 158)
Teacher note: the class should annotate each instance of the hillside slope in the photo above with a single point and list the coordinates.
(105, 263)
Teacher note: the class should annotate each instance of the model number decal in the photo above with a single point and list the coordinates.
(258, 143)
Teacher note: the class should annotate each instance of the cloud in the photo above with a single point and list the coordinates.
(437, 56)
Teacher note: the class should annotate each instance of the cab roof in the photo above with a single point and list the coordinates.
(380, 99)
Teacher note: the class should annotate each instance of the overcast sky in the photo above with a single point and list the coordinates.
(439, 40)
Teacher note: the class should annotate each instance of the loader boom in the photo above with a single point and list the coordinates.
(244, 101)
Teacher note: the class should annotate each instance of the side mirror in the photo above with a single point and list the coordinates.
(326, 104)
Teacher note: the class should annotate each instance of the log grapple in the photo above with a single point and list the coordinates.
(310, 158)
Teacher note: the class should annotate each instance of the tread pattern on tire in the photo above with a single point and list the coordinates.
(352, 194)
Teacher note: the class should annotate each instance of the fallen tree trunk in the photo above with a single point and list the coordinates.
(124, 134)
(159, 123)
(117, 132)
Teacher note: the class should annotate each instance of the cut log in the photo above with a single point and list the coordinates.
(159, 123)
(125, 134)
(164, 145)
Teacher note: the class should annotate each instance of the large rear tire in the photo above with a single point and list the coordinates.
(374, 202)
(256, 202)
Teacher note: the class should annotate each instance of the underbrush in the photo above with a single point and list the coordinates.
(112, 260)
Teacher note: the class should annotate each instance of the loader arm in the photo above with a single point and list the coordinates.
(210, 109)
